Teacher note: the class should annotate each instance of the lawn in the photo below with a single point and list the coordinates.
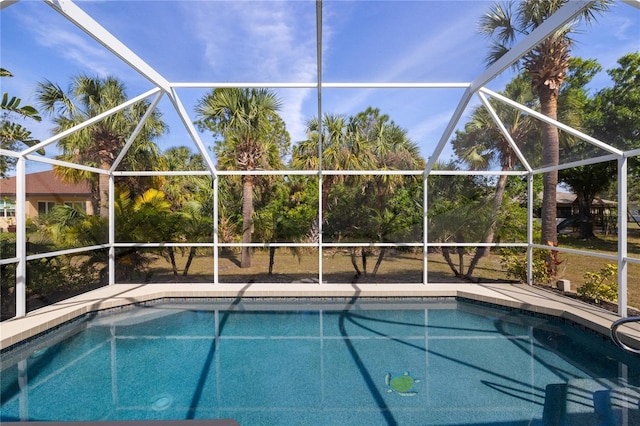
(398, 266)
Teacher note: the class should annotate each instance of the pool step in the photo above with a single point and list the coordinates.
(587, 402)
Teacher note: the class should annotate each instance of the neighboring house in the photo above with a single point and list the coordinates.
(567, 205)
(43, 191)
(567, 210)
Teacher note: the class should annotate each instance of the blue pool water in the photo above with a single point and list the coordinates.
(446, 362)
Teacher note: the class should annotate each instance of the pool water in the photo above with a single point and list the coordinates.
(445, 362)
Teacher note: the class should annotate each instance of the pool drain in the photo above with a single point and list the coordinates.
(162, 403)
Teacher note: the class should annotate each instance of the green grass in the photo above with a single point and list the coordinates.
(397, 267)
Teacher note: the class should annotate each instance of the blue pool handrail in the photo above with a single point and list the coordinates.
(614, 335)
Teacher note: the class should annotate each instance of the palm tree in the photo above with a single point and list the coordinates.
(482, 145)
(367, 141)
(11, 132)
(546, 66)
(343, 148)
(98, 145)
(250, 137)
(191, 196)
(143, 218)
(391, 150)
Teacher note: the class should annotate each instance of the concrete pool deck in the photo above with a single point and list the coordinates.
(519, 296)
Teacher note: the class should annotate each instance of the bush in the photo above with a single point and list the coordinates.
(599, 286)
(516, 266)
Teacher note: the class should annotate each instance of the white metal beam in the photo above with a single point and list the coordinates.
(89, 122)
(320, 177)
(634, 3)
(542, 117)
(504, 131)
(21, 238)
(136, 132)
(112, 232)
(622, 236)
(564, 15)
(54, 162)
(7, 3)
(86, 23)
(587, 162)
(453, 122)
(195, 137)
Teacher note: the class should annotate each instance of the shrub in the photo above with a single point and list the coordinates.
(599, 286)
(516, 266)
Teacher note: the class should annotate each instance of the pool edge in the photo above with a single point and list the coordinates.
(516, 296)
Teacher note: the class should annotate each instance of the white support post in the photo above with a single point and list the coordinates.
(530, 198)
(320, 227)
(112, 231)
(425, 226)
(622, 236)
(320, 141)
(216, 258)
(21, 238)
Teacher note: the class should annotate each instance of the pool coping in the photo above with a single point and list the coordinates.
(518, 296)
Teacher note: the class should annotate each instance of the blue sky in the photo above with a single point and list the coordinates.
(275, 41)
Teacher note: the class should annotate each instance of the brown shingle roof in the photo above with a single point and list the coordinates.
(44, 183)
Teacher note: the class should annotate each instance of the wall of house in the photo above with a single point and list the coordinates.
(31, 207)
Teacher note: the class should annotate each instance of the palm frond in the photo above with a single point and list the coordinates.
(13, 105)
(53, 100)
(498, 24)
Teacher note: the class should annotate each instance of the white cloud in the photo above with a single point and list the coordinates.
(260, 42)
(68, 42)
(446, 47)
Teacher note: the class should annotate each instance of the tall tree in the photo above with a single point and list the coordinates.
(249, 135)
(391, 150)
(98, 145)
(546, 65)
(191, 197)
(359, 205)
(343, 148)
(13, 133)
(614, 117)
(574, 108)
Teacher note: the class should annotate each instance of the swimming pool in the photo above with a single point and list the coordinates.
(333, 362)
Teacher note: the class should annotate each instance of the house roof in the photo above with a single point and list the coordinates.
(44, 183)
(571, 198)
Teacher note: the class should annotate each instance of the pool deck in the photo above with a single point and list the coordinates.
(529, 298)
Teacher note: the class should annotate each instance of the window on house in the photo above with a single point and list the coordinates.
(45, 207)
(76, 205)
(7, 208)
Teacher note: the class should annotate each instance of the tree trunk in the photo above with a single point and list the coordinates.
(447, 258)
(95, 197)
(461, 259)
(192, 255)
(379, 261)
(327, 183)
(172, 258)
(461, 250)
(354, 262)
(364, 261)
(247, 220)
(488, 237)
(103, 188)
(272, 256)
(550, 157)
(586, 220)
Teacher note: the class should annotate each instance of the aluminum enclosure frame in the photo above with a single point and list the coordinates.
(163, 87)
